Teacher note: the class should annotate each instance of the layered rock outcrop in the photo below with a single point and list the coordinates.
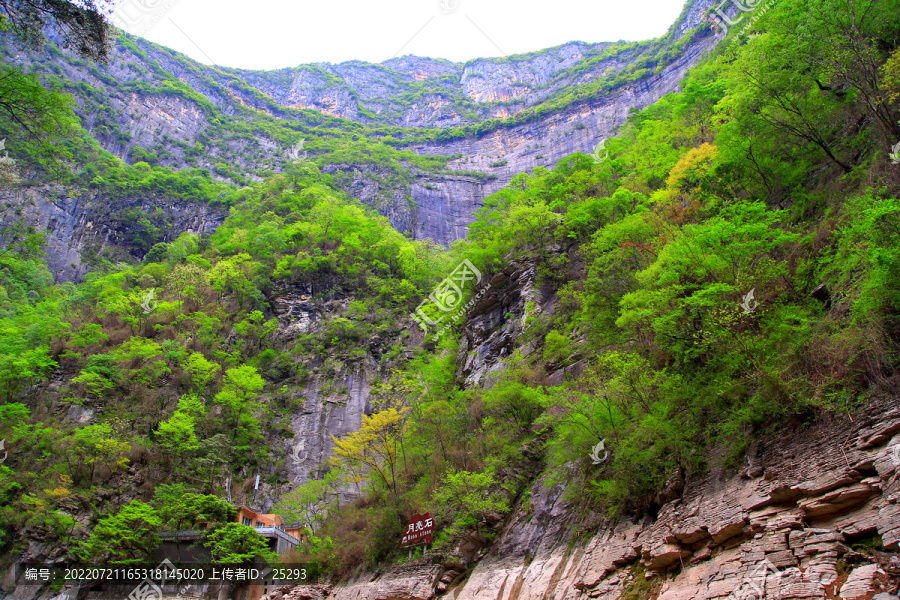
(783, 524)
(812, 515)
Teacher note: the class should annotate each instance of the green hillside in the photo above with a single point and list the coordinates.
(728, 270)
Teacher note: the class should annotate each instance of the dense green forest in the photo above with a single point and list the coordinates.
(731, 269)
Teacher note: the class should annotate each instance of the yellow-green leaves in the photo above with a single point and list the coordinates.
(372, 449)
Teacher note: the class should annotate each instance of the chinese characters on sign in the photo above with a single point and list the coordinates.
(420, 529)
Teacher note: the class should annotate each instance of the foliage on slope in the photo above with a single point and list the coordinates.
(198, 387)
(768, 173)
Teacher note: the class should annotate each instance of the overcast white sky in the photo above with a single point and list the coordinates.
(270, 34)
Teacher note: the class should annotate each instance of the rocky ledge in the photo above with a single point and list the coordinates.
(813, 514)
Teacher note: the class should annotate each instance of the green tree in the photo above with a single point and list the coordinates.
(375, 447)
(515, 401)
(255, 330)
(130, 536)
(469, 495)
(99, 444)
(304, 505)
(231, 277)
(90, 334)
(20, 365)
(556, 347)
(177, 434)
(202, 371)
(235, 543)
(239, 389)
(209, 465)
(39, 119)
(83, 26)
(191, 511)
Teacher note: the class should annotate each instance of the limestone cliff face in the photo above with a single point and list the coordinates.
(149, 101)
(489, 88)
(509, 151)
(445, 93)
(82, 225)
(375, 185)
(442, 206)
(331, 397)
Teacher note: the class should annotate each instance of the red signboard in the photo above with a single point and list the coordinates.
(419, 530)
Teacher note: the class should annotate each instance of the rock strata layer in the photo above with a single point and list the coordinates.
(785, 526)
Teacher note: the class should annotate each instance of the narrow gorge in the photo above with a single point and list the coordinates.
(605, 320)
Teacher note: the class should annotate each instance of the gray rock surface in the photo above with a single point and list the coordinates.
(780, 528)
(126, 107)
(82, 226)
(727, 536)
